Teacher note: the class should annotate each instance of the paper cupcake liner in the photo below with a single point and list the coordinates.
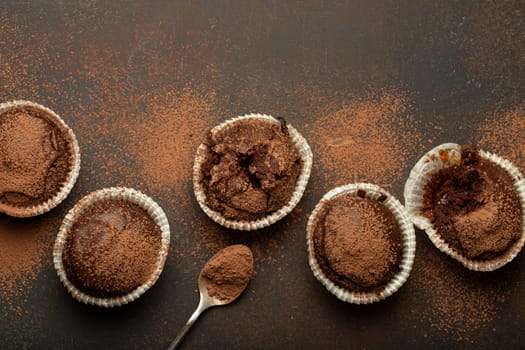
(306, 156)
(407, 236)
(114, 193)
(71, 178)
(445, 156)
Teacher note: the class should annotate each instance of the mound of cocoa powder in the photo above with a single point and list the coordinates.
(228, 272)
(474, 207)
(251, 170)
(35, 157)
(112, 249)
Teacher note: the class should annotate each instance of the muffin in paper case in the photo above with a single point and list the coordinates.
(306, 160)
(74, 162)
(111, 194)
(408, 243)
(445, 156)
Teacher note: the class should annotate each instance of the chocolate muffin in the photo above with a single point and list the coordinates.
(470, 203)
(112, 246)
(358, 244)
(474, 206)
(39, 159)
(112, 249)
(251, 169)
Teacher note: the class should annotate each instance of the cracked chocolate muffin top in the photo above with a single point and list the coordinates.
(474, 207)
(250, 170)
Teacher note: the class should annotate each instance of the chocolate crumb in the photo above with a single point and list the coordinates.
(284, 125)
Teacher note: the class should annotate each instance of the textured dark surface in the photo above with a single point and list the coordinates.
(106, 64)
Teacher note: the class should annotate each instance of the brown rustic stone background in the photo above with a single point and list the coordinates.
(372, 85)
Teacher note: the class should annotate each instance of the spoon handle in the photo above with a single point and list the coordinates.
(203, 305)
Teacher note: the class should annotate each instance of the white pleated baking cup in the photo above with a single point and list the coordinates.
(408, 239)
(306, 157)
(111, 194)
(445, 156)
(71, 178)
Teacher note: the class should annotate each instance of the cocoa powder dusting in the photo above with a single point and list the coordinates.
(228, 272)
(24, 252)
(167, 135)
(367, 138)
(357, 243)
(34, 157)
(493, 49)
(157, 138)
(460, 303)
(112, 249)
(502, 133)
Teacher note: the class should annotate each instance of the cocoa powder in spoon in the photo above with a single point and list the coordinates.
(228, 272)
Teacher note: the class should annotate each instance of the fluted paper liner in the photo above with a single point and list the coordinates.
(71, 178)
(306, 156)
(408, 244)
(444, 156)
(114, 193)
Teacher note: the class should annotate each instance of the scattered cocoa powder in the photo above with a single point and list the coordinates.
(366, 138)
(460, 304)
(250, 171)
(157, 139)
(502, 133)
(357, 243)
(35, 157)
(166, 137)
(112, 249)
(25, 245)
(492, 53)
(228, 272)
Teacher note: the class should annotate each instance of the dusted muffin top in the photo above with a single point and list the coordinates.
(250, 170)
(474, 207)
(112, 249)
(35, 157)
(357, 243)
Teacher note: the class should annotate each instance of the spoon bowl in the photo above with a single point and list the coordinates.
(206, 301)
(212, 300)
